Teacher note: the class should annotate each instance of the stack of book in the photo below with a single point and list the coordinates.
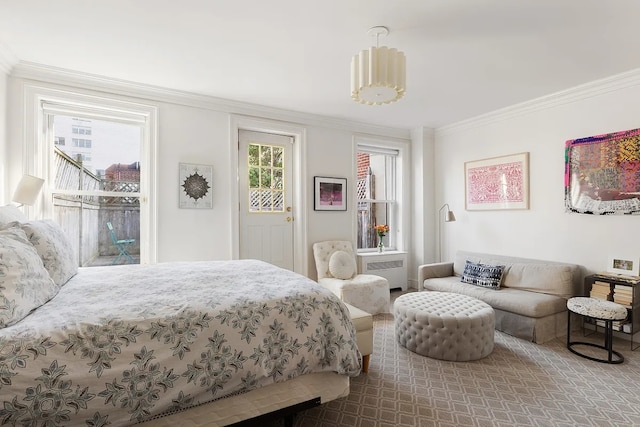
(600, 290)
(623, 294)
(617, 325)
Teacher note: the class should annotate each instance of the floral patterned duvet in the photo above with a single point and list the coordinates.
(118, 345)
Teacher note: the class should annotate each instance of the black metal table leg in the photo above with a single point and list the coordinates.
(608, 344)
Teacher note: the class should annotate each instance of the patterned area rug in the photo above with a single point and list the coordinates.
(519, 384)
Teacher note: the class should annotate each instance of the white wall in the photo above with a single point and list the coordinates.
(196, 129)
(423, 210)
(192, 135)
(3, 135)
(542, 127)
(330, 153)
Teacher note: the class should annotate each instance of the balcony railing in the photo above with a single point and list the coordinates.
(84, 218)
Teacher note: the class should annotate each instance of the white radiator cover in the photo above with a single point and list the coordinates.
(391, 265)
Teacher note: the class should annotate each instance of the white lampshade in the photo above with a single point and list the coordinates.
(378, 75)
(28, 189)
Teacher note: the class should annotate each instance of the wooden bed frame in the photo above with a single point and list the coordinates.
(243, 408)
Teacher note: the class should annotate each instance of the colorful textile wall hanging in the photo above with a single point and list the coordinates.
(602, 174)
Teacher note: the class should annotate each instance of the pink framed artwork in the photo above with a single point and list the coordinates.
(497, 183)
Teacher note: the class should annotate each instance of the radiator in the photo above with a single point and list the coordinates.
(390, 265)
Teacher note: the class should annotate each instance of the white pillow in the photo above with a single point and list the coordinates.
(342, 265)
(10, 213)
(24, 282)
(54, 247)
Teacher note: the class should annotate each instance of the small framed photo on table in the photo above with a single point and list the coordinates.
(626, 266)
(330, 194)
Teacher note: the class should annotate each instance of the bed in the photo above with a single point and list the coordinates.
(216, 342)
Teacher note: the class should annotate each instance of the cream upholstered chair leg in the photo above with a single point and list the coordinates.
(368, 292)
(363, 323)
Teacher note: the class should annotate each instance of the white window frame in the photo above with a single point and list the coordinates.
(399, 236)
(42, 103)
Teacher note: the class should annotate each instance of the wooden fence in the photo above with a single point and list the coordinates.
(84, 219)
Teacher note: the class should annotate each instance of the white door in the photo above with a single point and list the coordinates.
(265, 193)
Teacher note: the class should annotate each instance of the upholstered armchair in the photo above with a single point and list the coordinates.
(337, 271)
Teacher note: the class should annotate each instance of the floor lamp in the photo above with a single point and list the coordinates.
(448, 217)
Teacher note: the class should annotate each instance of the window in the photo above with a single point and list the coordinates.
(58, 140)
(379, 166)
(81, 201)
(96, 185)
(81, 130)
(43, 107)
(83, 143)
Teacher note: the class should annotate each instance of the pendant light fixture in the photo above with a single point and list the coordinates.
(378, 74)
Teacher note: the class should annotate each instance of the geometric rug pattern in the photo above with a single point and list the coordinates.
(519, 384)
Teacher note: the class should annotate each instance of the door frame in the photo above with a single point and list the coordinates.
(298, 178)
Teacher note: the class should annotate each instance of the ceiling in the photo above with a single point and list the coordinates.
(464, 57)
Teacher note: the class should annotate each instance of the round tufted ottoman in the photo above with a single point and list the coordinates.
(444, 325)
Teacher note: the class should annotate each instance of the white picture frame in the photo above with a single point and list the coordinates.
(626, 266)
(330, 194)
(195, 186)
(497, 183)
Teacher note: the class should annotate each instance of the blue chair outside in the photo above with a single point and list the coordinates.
(122, 245)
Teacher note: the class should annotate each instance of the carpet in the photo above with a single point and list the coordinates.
(519, 384)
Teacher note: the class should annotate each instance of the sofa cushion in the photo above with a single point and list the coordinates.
(530, 304)
(546, 278)
(567, 276)
(487, 276)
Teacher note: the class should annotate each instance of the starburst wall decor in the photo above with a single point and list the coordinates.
(195, 186)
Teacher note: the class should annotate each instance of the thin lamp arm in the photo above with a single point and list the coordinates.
(449, 217)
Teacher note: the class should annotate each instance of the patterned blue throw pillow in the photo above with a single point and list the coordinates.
(487, 276)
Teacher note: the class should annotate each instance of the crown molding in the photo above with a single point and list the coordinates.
(7, 59)
(66, 77)
(588, 90)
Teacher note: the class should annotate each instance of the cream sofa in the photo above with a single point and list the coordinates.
(531, 302)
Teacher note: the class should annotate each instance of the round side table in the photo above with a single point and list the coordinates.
(597, 309)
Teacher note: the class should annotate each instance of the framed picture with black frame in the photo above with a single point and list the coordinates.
(330, 194)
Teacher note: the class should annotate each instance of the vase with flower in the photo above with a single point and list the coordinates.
(381, 230)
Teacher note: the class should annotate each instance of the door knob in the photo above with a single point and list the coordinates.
(288, 208)
(289, 219)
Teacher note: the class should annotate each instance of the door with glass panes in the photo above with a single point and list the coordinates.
(265, 194)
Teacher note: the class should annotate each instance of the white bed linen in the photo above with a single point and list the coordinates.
(120, 344)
